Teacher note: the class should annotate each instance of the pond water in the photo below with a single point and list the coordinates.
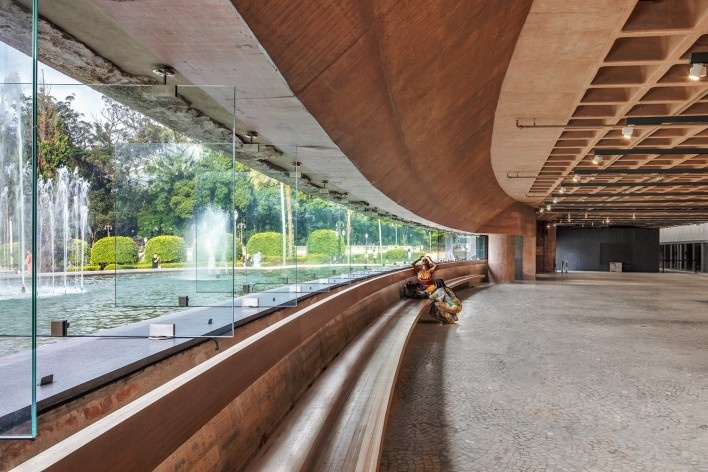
(112, 300)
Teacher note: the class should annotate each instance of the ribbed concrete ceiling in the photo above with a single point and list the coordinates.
(606, 61)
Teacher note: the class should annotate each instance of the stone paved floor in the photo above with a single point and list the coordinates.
(597, 372)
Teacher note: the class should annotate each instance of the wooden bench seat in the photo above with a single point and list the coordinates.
(339, 423)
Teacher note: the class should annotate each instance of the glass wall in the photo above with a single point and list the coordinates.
(17, 331)
(139, 224)
(685, 257)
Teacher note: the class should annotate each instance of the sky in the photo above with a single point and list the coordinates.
(86, 101)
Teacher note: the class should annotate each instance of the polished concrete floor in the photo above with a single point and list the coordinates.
(589, 372)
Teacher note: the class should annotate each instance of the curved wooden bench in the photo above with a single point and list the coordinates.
(218, 414)
(340, 422)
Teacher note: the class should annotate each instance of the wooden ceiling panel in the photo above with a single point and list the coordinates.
(649, 16)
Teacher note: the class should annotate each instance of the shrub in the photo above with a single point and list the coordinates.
(268, 244)
(169, 248)
(114, 250)
(318, 258)
(396, 255)
(324, 241)
(119, 266)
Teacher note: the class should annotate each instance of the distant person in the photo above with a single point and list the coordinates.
(155, 261)
(257, 259)
(28, 262)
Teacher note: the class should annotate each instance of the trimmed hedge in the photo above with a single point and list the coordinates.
(169, 248)
(114, 250)
(318, 258)
(268, 244)
(396, 255)
(324, 241)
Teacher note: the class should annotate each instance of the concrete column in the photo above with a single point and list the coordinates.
(501, 258)
(530, 257)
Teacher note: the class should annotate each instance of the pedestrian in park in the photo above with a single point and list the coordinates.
(28, 262)
(155, 261)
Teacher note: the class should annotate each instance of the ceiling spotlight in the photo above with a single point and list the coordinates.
(561, 190)
(555, 199)
(576, 177)
(164, 71)
(548, 206)
(627, 131)
(597, 159)
(697, 72)
(634, 216)
(541, 210)
(251, 135)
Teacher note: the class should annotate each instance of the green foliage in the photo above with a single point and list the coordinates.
(119, 266)
(230, 248)
(169, 248)
(5, 254)
(86, 268)
(114, 250)
(324, 241)
(75, 252)
(396, 255)
(268, 244)
(318, 258)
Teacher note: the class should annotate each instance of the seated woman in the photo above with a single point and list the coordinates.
(424, 272)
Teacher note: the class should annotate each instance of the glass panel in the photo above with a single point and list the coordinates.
(17, 246)
(172, 251)
(269, 274)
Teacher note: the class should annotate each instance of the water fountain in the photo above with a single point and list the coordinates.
(62, 211)
(211, 241)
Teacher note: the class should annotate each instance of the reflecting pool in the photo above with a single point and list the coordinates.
(111, 300)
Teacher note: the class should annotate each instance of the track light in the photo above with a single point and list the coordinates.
(627, 132)
(698, 62)
(576, 177)
(561, 190)
(548, 206)
(597, 159)
(555, 199)
(697, 72)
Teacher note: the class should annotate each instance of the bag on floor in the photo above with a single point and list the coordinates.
(410, 290)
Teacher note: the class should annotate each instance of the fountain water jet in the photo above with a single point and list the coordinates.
(62, 209)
